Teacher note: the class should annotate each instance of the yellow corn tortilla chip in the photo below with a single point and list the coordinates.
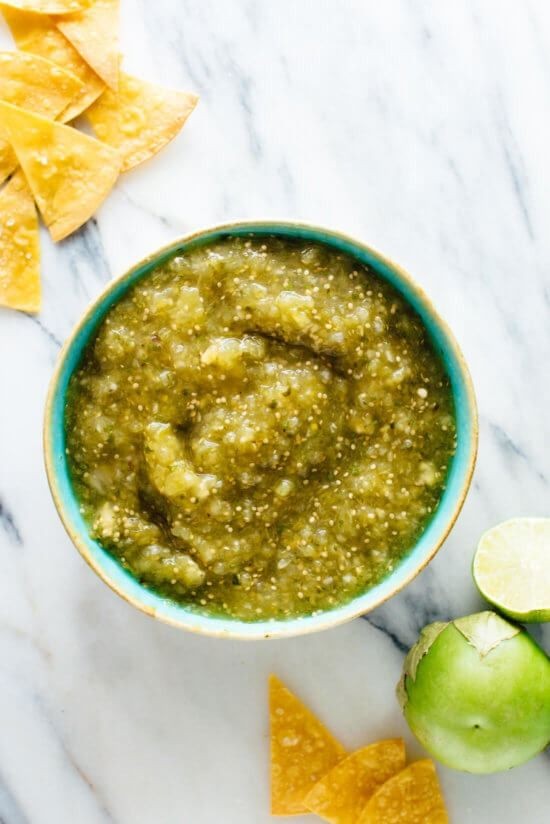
(38, 34)
(94, 34)
(8, 161)
(140, 118)
(49, 6)
(35, 83)
(68, 172)
(302, 750)
(413, 796)
(341, 794)
(19, 247)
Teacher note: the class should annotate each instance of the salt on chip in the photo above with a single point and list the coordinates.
(94, 34)
(49, 6)
(413, 796)
(302, 750)
(341, 794)
(140, 118)
(19, 247)
(38, 34)
(69, 173)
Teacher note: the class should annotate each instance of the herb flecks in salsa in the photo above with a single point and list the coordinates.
(260, 428)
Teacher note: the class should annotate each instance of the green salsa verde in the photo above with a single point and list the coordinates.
(260, 428)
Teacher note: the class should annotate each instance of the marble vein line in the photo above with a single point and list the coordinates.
(518, 188)
(244, 94)
(243, 89)
(514, 165)
(169, 223)
(106, 815)
(45, 331)
(9, 525)
(510, 448)
(398, 642)
(10, 809)
(25, 637)
(174, 35)
(402, 618)
(287, 182)
(86, 247)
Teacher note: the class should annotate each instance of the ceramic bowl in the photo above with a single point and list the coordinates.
(122, 582)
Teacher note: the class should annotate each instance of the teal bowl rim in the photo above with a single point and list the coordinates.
(122, 582)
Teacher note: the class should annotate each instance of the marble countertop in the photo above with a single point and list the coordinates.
(421, 127)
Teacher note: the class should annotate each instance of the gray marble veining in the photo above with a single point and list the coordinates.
(422, 127)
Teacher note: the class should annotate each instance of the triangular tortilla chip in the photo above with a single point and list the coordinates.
(341, 794)
(69, 173)
(38, 34)
(19, 247)
(94, 34)
(140, 118)
(413, 796)
(34, 83)
(302, 750)
(8, 161)
(49, 6)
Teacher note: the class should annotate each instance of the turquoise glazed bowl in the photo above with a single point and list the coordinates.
(122, 582)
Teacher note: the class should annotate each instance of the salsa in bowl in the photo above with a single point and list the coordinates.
(263, 429)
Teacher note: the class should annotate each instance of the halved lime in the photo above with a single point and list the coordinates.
(512, 568)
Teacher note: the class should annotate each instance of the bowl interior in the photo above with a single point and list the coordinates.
(418, 556)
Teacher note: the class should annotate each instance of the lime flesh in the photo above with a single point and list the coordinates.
(512, 568)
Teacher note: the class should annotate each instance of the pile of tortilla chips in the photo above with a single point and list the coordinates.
(311, 772)
(66, 65)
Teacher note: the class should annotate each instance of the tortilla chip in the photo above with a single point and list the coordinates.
(19, 247)
(140, 118)
(69, 173)
(340, 795)
(413, 796)
(302, 750)
(38, 34)
(8, 161)
(34, 83)
(49, 6)
(94, 34)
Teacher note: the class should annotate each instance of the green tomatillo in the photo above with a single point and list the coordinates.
(476, 693)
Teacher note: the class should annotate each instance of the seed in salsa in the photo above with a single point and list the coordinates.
(260, 428)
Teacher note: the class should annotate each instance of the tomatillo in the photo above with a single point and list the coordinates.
(476, 693)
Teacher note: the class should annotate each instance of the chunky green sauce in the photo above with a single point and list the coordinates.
(260, 428)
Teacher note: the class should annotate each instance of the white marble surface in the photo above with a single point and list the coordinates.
(421, 126)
